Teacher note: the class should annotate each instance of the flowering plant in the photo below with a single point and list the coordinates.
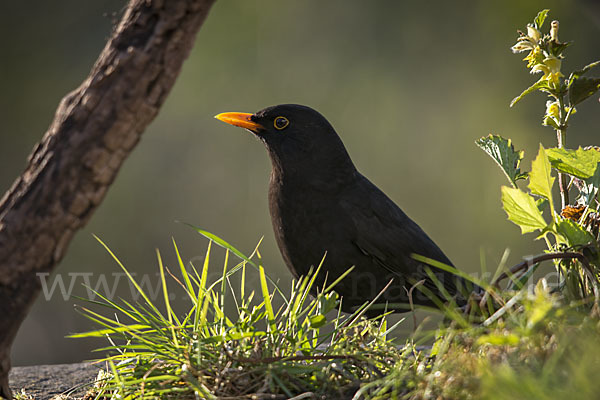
(572, 233)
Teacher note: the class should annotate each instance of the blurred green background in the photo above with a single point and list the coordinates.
(408, 85)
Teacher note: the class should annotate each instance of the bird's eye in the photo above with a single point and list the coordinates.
(280, 123)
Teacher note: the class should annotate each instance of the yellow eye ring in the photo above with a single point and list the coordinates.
(281, 123)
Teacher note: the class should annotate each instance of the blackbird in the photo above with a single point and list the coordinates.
(323, 210)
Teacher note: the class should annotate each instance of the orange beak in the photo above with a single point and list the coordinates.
(239, 119)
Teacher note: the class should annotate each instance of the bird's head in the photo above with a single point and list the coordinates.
(297, 137)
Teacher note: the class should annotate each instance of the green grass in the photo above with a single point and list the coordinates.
(303, 345)
(281, 343)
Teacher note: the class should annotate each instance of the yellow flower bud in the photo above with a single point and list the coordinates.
(554, 31)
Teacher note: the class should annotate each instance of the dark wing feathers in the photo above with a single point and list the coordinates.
(386, 234)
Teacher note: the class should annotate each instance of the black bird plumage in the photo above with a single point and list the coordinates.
(321, 205)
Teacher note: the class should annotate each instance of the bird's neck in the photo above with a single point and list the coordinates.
(326, 176)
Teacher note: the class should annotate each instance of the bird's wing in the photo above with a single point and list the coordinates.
(387, 235)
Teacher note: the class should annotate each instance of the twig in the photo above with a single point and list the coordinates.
(268, 360)
(305, 395)
(527, 263)
(542, 257)
(255, 396)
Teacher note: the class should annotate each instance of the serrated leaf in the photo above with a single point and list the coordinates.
(584, 70)
(540, 180)
(502, 151)
(574, 234)
(581, 88)
(541, 84)
(522, 210)
(580, 72)
(580, 163)
(540, 18)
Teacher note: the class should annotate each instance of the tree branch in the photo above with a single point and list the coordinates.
(94, 129)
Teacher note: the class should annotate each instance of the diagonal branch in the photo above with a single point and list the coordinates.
(523, 265)
(95, 127)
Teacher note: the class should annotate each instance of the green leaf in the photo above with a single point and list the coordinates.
(576, 76)
(328, 302)
(540, 180)
(522, 210)
(317, 321)
(574, 233)
(505, 155)
(541, 85)
(581, 88)
(580, 163)
(584, 70)
(540, 18)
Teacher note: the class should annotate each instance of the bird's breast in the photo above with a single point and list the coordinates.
(299, 216)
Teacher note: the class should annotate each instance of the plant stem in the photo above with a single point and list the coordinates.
(561, 136)
(567, 255)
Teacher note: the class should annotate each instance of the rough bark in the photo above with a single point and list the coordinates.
(94, 129)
